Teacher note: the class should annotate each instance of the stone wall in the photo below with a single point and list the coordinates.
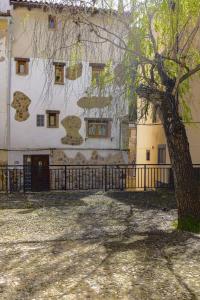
(60, 158)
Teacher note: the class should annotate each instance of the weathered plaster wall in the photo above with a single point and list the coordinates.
(43, 94)
(24, 28)
(61, 97)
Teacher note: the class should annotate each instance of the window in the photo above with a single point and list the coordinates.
(155, 114)
(22, 66)
(40, 121)
(52, 24)
(98, 128)
(59, 73)
(52, 118)
(97, 70)
(147, 155)
(161, 154)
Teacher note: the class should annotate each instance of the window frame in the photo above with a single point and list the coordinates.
(163, 148)
(62, 67)
(148, 154)
(40, 119)
(98, 121)
(25, 62)
(56, 116)
(97, 69)
(55, 22)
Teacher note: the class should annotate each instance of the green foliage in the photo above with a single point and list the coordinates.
(185, 111)
(172, 25)
(189, 224)
(105, 78)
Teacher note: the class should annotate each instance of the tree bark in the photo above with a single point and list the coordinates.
(186, 185)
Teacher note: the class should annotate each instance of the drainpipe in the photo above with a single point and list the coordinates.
(120, 135)
(8, 142)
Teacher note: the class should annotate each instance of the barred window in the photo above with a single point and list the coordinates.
(40, 120)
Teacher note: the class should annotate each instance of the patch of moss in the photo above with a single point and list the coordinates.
(188, 224)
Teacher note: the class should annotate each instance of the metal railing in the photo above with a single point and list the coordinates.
(25, 178)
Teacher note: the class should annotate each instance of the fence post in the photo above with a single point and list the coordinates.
(7, 180)
(145, 168)
(65, 177)
(105, 177)
(24, 188)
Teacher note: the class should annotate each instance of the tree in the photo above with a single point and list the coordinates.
(159, 45)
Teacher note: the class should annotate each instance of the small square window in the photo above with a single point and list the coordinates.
(52, 119)
(52, 23)
(40, 120)
(97, 70)
(59, 74)
(148, 156)
(161, 154)
(22, 66)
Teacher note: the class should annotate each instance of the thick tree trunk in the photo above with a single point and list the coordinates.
(186, 186)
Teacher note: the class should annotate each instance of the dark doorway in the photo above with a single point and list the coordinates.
(38, 166)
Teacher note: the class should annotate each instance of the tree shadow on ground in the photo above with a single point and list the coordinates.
(45, 199)
(143, 258)
(162, 199)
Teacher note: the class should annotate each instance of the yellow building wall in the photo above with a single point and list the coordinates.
(150, 135)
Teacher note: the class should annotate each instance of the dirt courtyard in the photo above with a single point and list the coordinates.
(96, 246)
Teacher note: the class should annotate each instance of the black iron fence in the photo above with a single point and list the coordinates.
(86, 177)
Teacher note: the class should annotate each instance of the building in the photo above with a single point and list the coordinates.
(151, 141)
(152, 152)
(51, 112)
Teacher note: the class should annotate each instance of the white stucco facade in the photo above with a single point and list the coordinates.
(24, 137)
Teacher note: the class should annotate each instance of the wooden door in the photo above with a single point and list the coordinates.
(40, 172)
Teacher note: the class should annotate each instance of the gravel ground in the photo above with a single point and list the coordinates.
(96, 246)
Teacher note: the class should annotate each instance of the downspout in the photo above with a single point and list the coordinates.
(8, 142)
(120, 135)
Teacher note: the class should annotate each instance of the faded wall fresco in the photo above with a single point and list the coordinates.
(74, 72)
(94, 102)
(72, 125)
(60, 158)
(21, 103)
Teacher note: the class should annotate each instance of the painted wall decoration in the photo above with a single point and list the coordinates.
(21, 103)
(72, 125)
(94, 102)
(60, 158)
(119, 75)
(74, 72)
